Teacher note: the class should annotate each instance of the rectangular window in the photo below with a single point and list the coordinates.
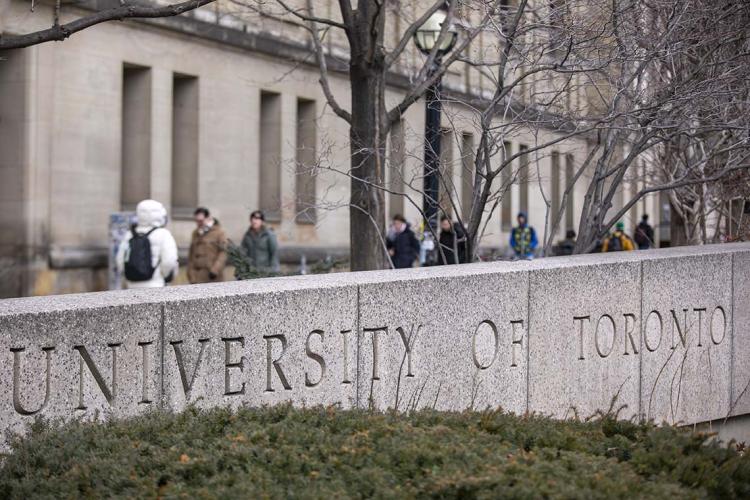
(396, 170)
(524, 178)
(555, 185)
(665, 219)
(639, 207)
(13, 121)
(269, 181)
(506, 207)
(305, 159)
(446, 173)
(184, 144)
(467, 173)
(135, 153)
(569, 201)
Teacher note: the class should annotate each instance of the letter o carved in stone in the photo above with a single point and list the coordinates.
(596, 336)
(723, 325)
(486, 328)
(645, 330)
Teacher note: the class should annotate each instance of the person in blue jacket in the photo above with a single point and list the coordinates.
(523, 239)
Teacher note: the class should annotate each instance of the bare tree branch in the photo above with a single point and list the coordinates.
(310, 18)
(60, 32)
(323, 68)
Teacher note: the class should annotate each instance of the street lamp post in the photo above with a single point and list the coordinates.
(426, 37)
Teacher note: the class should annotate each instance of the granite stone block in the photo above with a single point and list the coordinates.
(661, 334)
(268, 345)
(741, 334)
(584, 345)
(450, 339)
(687, 338)
(79, 363)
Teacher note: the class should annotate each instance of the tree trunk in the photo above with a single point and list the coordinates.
(479, 196)
(677, 229)
(367, 141)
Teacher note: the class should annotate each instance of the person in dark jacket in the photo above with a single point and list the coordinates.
(452, 240)
(260, 245)
(568, 245)
(403, 246)
(644, 234)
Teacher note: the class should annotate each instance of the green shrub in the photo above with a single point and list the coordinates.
(327, 452)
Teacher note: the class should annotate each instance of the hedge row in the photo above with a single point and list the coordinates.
(327, 452)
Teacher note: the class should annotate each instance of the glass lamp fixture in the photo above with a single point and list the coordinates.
(429, 34)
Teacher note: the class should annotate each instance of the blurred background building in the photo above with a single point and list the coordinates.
(219, 110)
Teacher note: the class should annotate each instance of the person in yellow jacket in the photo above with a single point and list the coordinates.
(618, 241)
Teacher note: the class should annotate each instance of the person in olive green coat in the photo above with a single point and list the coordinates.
(260, 246)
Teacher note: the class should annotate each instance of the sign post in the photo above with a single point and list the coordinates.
(119, 225)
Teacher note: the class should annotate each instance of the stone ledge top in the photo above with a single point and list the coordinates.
(121, 298)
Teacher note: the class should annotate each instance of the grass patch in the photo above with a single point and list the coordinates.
(326, 452)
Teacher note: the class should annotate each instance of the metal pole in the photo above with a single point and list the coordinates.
(432, 156)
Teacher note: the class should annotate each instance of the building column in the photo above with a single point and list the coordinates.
(161, 136)
(287, 229)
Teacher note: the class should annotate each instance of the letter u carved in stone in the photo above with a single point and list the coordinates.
(17, 380)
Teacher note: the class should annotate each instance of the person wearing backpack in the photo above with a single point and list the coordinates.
(523, 239)
(147, 257)
(618, 241)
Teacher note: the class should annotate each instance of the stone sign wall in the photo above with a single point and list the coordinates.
(662, 335)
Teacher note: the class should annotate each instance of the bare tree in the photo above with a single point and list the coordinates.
(370, 66)
(532, 79)
(672, 93)
(664, 79)
(534, 64)
(700, 208)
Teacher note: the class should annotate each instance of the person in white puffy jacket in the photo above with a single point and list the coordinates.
(152, 216)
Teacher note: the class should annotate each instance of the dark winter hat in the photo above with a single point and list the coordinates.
(258, 214)
(522, 214)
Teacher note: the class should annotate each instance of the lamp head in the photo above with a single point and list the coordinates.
(429, 34)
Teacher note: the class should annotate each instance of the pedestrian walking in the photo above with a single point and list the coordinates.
(618, 241)
(568, 245)
(644, 234)
(260, 245)
(147, 257)
(452, 243)
(208, 249)
(403, 246)
(523, 239)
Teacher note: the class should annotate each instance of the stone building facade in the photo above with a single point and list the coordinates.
(198, 110)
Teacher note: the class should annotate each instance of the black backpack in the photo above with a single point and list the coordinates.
(615, 243)
(138, 266)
